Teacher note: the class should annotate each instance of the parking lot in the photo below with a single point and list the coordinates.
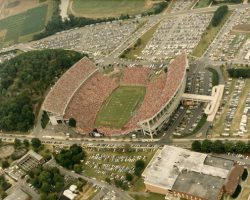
(181, 5)
(232, 118)
(230, 42)
(114, 161)
(98, 39)
(175, 35)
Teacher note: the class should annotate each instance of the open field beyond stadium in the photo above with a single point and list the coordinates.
(31, 21)
(108, 8)
(120, 106)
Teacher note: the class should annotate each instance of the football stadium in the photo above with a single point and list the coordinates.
(125, 100)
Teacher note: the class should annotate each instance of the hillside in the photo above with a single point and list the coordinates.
(24, 81)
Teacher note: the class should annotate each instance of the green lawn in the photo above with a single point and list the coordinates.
(25, 23)
(149, 196)
(202, 3)
(109, 8)
(120, 106)
(215, 76)
(208, 36)
(132, 52)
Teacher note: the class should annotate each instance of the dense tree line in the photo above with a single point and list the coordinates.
(239, 72)
(156, 9)
(208, 146)
(4, 185)
(48, 181)
(56, 24)
(71, 158)
(219, 15)
(23, 81)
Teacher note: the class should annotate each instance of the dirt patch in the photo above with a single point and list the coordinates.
(245, 194)
(243, 28)
(6, 151)
(13, 7)
(87, 192)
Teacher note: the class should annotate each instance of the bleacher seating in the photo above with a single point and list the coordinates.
(88, 100)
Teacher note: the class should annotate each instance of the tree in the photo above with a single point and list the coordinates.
(36, 143)
(59, 186)
(72, 122)
(22, 83)
(52, 196)
(219, 15)
(217, 147)
(26, 143)
(45, 188)
(139, 167)
(229, 146)
(196, 145)
(140, 164)
(77, 168)
(107, 179)
(17, 143)
(206, 146)
(240, 147)
(129, 177)
(69, 157)
(5, 164)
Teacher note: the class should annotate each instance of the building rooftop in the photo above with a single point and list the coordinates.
(35, 155)
(233, 179)
(172, 165)
(200, 185)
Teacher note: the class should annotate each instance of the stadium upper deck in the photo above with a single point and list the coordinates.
(82, 90)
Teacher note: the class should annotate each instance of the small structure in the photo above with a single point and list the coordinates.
(30, 160)
(17, 195)
(69, 195)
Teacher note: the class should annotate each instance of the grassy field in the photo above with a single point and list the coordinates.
(120, 106)
(108, 8)
(136, 51)
(202, 3)
(149, 196)
(215, 76)
(25, 23)
(208, 37)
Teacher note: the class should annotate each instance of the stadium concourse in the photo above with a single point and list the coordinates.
(83, 90)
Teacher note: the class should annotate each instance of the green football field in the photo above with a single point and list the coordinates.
(120, 106)
(109, 8)
(25, 23)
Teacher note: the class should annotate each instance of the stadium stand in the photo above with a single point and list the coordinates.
(88, 100)
(135, 76)
(60, 95)
(82, 90)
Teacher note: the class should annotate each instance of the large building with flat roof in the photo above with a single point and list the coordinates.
(191, 175)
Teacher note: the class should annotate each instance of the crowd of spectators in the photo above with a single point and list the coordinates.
(161, 90)
(60, 94)
(88, 100)
(135, 76)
